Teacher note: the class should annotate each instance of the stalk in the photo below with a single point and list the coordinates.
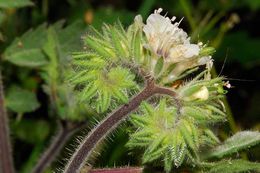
(65, 131)
(110, 123)
(6, 161)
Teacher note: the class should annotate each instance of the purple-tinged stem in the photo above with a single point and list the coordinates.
(66, 129)
(6, 161)
(118, 170)
(111, 122)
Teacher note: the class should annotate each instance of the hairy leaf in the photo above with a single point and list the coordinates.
(241, 140)
(232, 166)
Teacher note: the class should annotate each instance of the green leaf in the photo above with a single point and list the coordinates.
(21, 101)
(69, 39)
(23, 130)
(241, 140)
(28, 58)
(119, 42)
(151, 156)
(159, 66)
(26, 50)
(14, 3)
(136, 41)
(50, 47)
(94, 63)
(168, 161)
(186, 132)
(105, 101)
(195, 112)
(89, 92)
(99, 47)
(232, 166)
(120, 95)
(211, 136)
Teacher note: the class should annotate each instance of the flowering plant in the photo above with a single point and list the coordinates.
(163, 80)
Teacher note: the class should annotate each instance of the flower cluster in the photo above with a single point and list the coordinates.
(166, 40)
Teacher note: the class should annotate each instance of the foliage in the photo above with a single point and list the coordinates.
(231, 166)
(26, 102)
(241, 140)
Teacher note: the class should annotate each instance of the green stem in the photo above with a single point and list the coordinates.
(187, 11)
(230, 117)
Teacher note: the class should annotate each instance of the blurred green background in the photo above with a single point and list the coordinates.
(231, 26)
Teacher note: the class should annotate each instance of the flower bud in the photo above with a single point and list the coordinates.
(205, 51)
(200, 94)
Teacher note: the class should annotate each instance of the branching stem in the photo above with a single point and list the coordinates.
(110, 123)
(66, 129)
(6, 162)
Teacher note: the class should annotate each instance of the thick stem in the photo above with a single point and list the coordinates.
(65, 130)
(105, 127)
(169, 92)
(6, 162)
(111, 122)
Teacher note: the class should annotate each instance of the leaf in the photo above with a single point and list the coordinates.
(168, 161)
(211, 136)
(119, 94)
(69, 39)
(195, 112)
(159, 66)
(241, 140)
(21, 101)
(94, 63)
(105, 101)
(151, 156)
(23, 130)
(99, 47)
(119, 42)
(50, 47)
(232, 166)
(14, 3)
(28, 58)
(26, 50)
(89, 92)
(186, 132)
(136, 41)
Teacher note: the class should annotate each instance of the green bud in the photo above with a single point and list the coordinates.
(207, 51)
(196, 93)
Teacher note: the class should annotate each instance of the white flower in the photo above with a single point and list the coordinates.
(206, 60)
(167, 40)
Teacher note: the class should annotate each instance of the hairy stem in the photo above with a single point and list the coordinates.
(110, 123)
(65, 130)
(169, 92)
(6, 162)
(105, 127)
